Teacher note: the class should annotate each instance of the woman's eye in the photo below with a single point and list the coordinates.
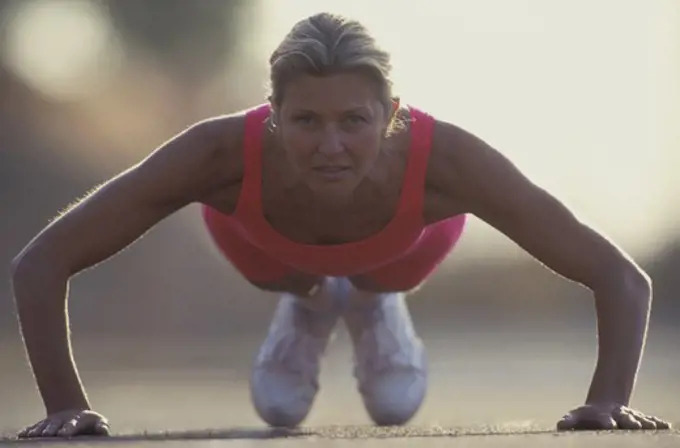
(304, 119)
(355, 119)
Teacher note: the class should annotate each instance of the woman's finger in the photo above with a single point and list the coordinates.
(627, 420)
(645, 420)
(37, 430)
(69, 428)
(660, 423)
(566, 423)
(51, 428)
(27, 430)
(647, 423)
(102, 428)
(85, 425)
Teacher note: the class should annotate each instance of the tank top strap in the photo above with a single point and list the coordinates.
(251, 187)
(421, 128)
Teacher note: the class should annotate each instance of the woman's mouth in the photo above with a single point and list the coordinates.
(332, 172)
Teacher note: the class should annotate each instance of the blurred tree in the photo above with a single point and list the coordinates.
(189, 39)
(171, 31)
(3, 6)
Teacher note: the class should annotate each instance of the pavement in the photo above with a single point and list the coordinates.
(489, 387)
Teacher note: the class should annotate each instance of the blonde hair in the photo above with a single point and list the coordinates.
(326, 44)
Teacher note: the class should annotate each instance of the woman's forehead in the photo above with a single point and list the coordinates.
(339, 92)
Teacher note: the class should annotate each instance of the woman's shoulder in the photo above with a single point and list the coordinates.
(228, 131)
(218, 141)
(231, 124)
(424, 126)
(443, 133)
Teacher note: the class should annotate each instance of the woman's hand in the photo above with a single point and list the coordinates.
(68, 423)
(596, 416)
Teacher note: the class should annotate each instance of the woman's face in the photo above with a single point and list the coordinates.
(331, 129)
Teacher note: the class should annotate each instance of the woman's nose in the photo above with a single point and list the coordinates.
(331, 142)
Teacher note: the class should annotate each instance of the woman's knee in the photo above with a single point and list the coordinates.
(368, 284)
(301, 285)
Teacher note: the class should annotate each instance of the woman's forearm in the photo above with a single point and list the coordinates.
(622, 320)
(41, 300)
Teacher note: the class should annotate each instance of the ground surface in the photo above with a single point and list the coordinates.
(506, 388)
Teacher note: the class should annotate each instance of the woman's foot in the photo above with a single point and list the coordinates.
(285, 377)
(390, 361)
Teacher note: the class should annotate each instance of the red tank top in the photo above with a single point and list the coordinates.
(347, 259)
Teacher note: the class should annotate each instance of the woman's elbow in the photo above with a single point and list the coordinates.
(33, 265)
(21, 266)
(624, 278)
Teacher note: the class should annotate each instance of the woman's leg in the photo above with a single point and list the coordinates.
(284, 380)
(390, 360)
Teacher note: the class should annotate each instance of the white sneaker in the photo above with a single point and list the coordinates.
(390, 362)
(285, 377)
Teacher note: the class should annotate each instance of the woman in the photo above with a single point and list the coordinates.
(342, 200)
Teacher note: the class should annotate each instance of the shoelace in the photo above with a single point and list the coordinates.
(297, 351)
(379, 349)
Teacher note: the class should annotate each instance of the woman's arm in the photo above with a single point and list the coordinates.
(477, 179)
(183, 170)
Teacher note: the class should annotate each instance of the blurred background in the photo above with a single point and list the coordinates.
(583, 95)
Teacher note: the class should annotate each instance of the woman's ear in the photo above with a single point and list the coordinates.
(396, 104)
(273, 112)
